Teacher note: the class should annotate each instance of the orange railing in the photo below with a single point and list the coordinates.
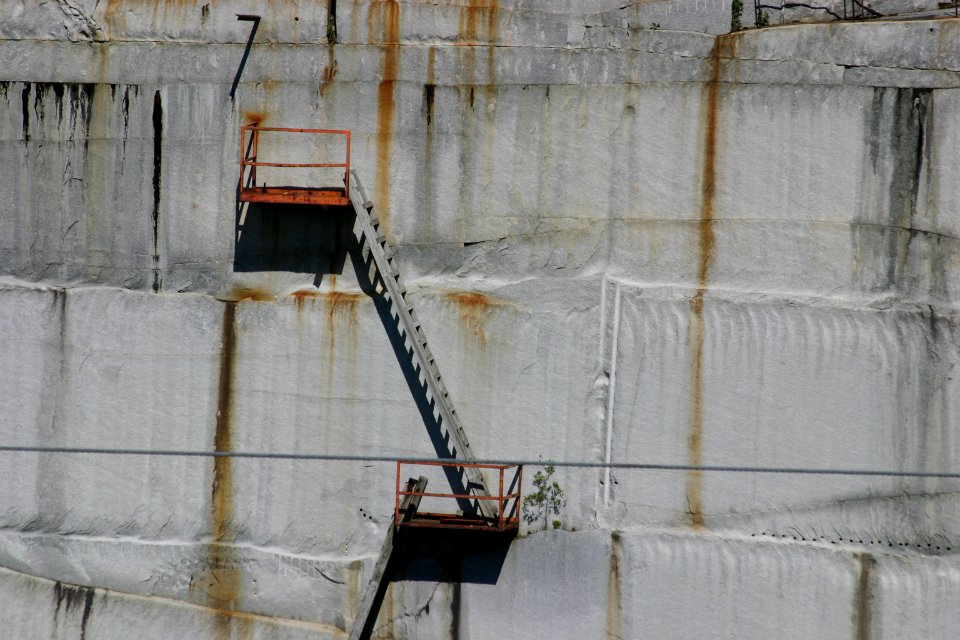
(507, 499)
(249, 161)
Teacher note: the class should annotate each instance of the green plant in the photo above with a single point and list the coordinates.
(654, 25)
(763, 20)
(546, 501)
(736, 15)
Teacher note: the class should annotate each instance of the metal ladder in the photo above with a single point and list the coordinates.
(383, 257)
(383, 254)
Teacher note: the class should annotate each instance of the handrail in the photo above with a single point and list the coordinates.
(858, 9)
(507, 515)
(251, 163)
(427, 494)
(249, 153)
(458, 463)
(254, 125)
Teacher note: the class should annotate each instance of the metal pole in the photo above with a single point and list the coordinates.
(256, 145)
(396, 506)
(500, 501)
(243, 166)
(346, 179)
(519, 495)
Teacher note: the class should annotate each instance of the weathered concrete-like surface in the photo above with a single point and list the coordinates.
(625, 243)
(620, 584)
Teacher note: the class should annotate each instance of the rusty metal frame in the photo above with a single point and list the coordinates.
(508, 515)
(248, 191)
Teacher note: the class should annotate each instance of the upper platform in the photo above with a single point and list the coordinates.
(323, 142)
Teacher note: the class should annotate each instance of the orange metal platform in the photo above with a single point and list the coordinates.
(507, 499)
(295, 195)
(248, 191)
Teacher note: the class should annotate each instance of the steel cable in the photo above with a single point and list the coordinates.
(584, 464)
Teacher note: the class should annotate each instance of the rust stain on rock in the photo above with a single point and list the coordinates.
(253, 117)
(694, 484)
(478, 26)
(353, 590)
(222, 439)
(614, 621)
(863, 597)
(474, 309)
(385, 625)
(245, 294)
(432, 66)
(341, 305)
(383, 26)
(220, 580)
(299, 297)
(476, 17)
(329, 71)
(492, 37)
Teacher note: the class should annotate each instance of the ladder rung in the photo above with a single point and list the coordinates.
(389, 252)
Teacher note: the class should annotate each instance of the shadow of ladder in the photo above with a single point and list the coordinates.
(383, 254)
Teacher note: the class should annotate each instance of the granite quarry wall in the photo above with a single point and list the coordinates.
(626, 243)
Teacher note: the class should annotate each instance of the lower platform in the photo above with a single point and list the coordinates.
(453, 521)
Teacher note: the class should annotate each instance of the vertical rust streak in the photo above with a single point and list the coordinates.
(694, 484)
(339, 303)
(342, 305)
(614, 622)
(222, 466)
(863, 597)
(475, 308)
(432, 66)
(492, 38)
(330, 70)
(352, 601)
(220, 581)
(429, 94)
(384, 17)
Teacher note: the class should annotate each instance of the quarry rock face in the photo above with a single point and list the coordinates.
(631, 237)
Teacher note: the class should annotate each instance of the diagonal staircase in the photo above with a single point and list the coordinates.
(383, 253)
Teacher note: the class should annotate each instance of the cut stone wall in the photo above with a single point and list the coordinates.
(617, 584)
(626, 243)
